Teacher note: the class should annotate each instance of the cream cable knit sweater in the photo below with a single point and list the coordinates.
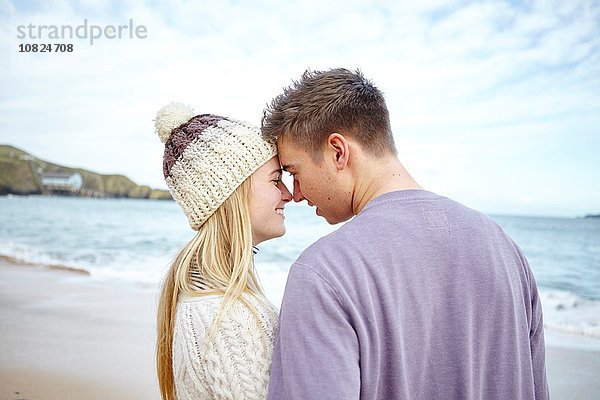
(237, 361)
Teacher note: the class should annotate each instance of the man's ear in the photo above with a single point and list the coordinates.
(338, 149)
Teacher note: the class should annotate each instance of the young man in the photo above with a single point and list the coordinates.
(418, 296)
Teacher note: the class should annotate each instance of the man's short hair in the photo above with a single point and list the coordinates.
(324, 102)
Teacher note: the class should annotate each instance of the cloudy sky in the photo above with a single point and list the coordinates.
(495, 104)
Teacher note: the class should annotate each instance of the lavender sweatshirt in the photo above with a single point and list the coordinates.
(417, 297)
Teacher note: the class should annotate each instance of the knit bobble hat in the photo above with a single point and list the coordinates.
(207, 157)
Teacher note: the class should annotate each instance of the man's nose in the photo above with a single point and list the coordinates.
(298, 196)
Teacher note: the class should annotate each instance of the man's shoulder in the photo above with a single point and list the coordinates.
(335, 252)
(324, 255)
(320, 248)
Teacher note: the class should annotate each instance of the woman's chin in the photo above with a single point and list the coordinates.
(280, 233)
(271, 235)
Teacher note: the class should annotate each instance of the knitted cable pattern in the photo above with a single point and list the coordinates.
(207, 157)
(236, 363)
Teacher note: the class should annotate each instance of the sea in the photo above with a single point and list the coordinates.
(127, 240)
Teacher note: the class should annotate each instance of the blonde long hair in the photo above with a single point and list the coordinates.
(222, 251)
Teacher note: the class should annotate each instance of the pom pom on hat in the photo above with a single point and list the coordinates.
(170, 117)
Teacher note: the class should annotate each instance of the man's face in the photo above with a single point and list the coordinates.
(315, 182)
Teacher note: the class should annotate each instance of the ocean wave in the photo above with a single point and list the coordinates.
(125, 265)
(17, 261)
(569, 313)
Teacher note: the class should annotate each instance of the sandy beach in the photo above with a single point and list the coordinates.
(64, 335)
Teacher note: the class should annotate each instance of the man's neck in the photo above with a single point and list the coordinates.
(379, 178)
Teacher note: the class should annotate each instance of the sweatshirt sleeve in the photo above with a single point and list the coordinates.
(536, 334)
(316, 350)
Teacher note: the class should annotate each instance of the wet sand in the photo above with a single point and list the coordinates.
(65, 336)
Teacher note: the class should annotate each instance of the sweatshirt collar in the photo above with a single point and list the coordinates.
(400, 195)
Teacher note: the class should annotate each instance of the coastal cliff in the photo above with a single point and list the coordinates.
(23, 174)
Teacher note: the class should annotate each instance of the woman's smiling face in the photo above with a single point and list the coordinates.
(267, 201)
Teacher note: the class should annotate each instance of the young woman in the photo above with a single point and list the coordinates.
(215, 327)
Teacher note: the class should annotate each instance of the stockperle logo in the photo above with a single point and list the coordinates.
(87, 31)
